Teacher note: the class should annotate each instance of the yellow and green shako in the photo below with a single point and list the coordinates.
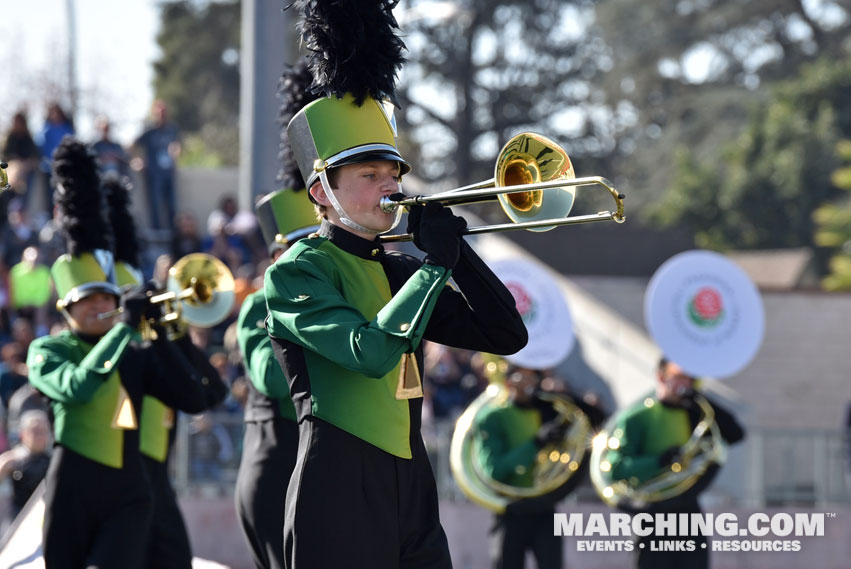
(332, 131)
(285, 216)
(79, 276)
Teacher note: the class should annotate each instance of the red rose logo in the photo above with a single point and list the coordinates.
(706, 307)
(522, 301)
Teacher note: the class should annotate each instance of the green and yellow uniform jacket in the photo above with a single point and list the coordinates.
(346, 316)
(650, 427)
(96, 387)
(268, 392)
(157, 420)
(506, 447)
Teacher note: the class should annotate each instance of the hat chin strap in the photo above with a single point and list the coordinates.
(344, 217)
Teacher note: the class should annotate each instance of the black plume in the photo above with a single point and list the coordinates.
(117, 192)
(294, 92)
(353, 47)
(78, 198)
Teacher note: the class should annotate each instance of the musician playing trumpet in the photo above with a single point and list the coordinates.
(650, 440)
(98, 498)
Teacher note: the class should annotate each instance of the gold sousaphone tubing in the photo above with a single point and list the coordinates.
(533, 181)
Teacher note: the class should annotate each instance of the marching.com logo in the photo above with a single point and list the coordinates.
(674, 530)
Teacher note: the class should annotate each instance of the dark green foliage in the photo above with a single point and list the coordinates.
(197, 73)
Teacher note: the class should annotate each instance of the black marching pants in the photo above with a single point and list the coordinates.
(168, 541)
(350, 505)
(268, 457)
(96, 517)
(515, 534)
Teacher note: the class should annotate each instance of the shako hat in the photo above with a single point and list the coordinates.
(285, 216)
(116, 190)
(354, 57)
(87, 267)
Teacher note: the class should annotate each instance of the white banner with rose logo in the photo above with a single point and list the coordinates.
(705, 314)
(544, 311)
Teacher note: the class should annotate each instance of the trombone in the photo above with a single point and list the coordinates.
(535, 184)
(199, 292)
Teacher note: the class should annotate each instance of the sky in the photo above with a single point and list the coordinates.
(115, 46)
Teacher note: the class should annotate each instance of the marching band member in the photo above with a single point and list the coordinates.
(168, 541)
(97, 498)
(651, 436)
(347, 317)
(271, 433)
(510, 438)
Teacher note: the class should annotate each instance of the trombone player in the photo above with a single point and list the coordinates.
(347, 317)
(652, 435)
(97, 497)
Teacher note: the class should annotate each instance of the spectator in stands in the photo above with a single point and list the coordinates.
(27, 462)
(13, 371)
(22, 154)
(29, 286)
(112, 157)
(17, 235)
(159, 147)
(210, 448)
(26, 398)
(56, 127)
(186, 238)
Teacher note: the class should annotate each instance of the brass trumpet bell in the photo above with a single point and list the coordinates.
(531, 158)
(205, 286)
(4, 178)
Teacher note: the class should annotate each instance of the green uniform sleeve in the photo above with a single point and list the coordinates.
(628, 460)
(498, 462)
(263, 369)
(306, 308)
(54, 371)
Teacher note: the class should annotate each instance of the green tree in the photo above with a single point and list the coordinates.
(834, 225)
(763, 190)
(689, 69)
(493, 68)
(197, 75)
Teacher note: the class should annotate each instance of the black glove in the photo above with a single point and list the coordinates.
(670, 456)
(551, 432)
(137, 306)
(134, 304)
(437, 232)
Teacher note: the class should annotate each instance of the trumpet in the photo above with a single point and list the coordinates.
(4, 177)
(199, 292)
(534, 183)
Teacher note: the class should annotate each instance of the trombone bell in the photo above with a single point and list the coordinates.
(531, 158)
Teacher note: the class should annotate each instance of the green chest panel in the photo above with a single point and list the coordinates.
(156, 421)
(363, 406)
(669, 426)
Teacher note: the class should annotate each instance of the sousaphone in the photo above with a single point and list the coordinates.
(707, 316)
(557, 466)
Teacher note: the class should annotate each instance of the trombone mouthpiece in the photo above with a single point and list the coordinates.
(388, 204)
